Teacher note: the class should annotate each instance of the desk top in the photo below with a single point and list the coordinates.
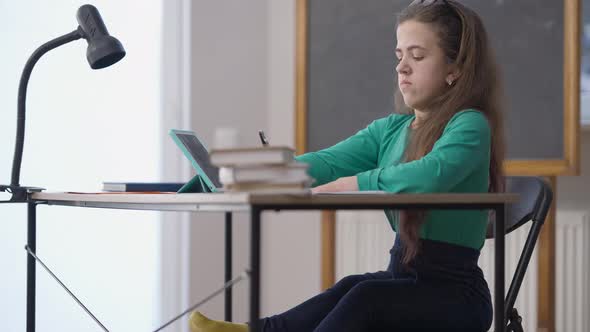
(243, 201)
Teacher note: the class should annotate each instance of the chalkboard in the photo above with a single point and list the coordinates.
(350, 76)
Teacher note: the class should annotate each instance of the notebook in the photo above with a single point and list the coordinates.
(142, 186)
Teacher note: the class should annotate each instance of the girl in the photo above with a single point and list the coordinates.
(451, 140)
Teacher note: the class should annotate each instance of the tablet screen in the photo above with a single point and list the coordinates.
(199, 154)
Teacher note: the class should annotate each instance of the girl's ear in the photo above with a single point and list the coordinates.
(453, 75)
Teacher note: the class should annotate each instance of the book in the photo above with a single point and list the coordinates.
(267, 187)
(142, 186)
(290, 173)
(269, 155)
(363, 192)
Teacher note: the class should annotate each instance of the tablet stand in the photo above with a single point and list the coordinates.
(195, 185)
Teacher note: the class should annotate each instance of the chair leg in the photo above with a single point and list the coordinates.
(514, 321)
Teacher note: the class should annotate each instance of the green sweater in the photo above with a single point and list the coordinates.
(458, 163)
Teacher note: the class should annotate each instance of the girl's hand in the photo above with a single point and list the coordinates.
(348, 183)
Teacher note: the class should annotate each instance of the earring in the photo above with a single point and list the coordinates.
(449, 81)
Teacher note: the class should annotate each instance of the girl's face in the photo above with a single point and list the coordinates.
(423, 70)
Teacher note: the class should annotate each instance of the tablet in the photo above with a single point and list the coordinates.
(196, 152)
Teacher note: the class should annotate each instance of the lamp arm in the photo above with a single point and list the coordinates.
(22, 95)
(20, 194)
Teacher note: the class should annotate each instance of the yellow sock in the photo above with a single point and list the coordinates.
(200, 323)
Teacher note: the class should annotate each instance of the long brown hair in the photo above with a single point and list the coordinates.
(463, 38)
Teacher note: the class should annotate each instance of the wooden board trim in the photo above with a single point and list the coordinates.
(571, 86)
(301, 103)
(328, 269)
(546, 268)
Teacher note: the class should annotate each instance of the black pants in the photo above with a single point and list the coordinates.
(443, 289)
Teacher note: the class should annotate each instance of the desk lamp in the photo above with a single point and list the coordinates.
(103, 51)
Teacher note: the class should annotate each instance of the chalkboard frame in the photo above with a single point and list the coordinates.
(568, 165)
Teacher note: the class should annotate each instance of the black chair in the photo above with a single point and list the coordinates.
(535, 200)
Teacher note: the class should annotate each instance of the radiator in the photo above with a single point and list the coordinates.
(363, 240)
(572, 271)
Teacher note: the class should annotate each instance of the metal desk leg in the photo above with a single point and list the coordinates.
(255, 266)
(228, 265)
(499, 314)
(32, 243)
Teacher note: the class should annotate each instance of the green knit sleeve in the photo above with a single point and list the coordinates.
(463, 147)
(355, 154)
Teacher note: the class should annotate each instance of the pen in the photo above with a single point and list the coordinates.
(263, 138)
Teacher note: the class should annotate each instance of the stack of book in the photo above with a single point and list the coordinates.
(260, 169)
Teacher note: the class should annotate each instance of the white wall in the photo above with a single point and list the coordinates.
(175, 101)
(243, 77)
(83, 127)
(291, 269)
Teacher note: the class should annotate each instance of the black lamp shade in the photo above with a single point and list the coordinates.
(104, 52)
(103, 49)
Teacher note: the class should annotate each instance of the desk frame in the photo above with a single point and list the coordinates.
(256, 204)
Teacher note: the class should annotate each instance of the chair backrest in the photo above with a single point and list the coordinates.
(535, 197)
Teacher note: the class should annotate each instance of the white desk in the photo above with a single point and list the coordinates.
(256, 203)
